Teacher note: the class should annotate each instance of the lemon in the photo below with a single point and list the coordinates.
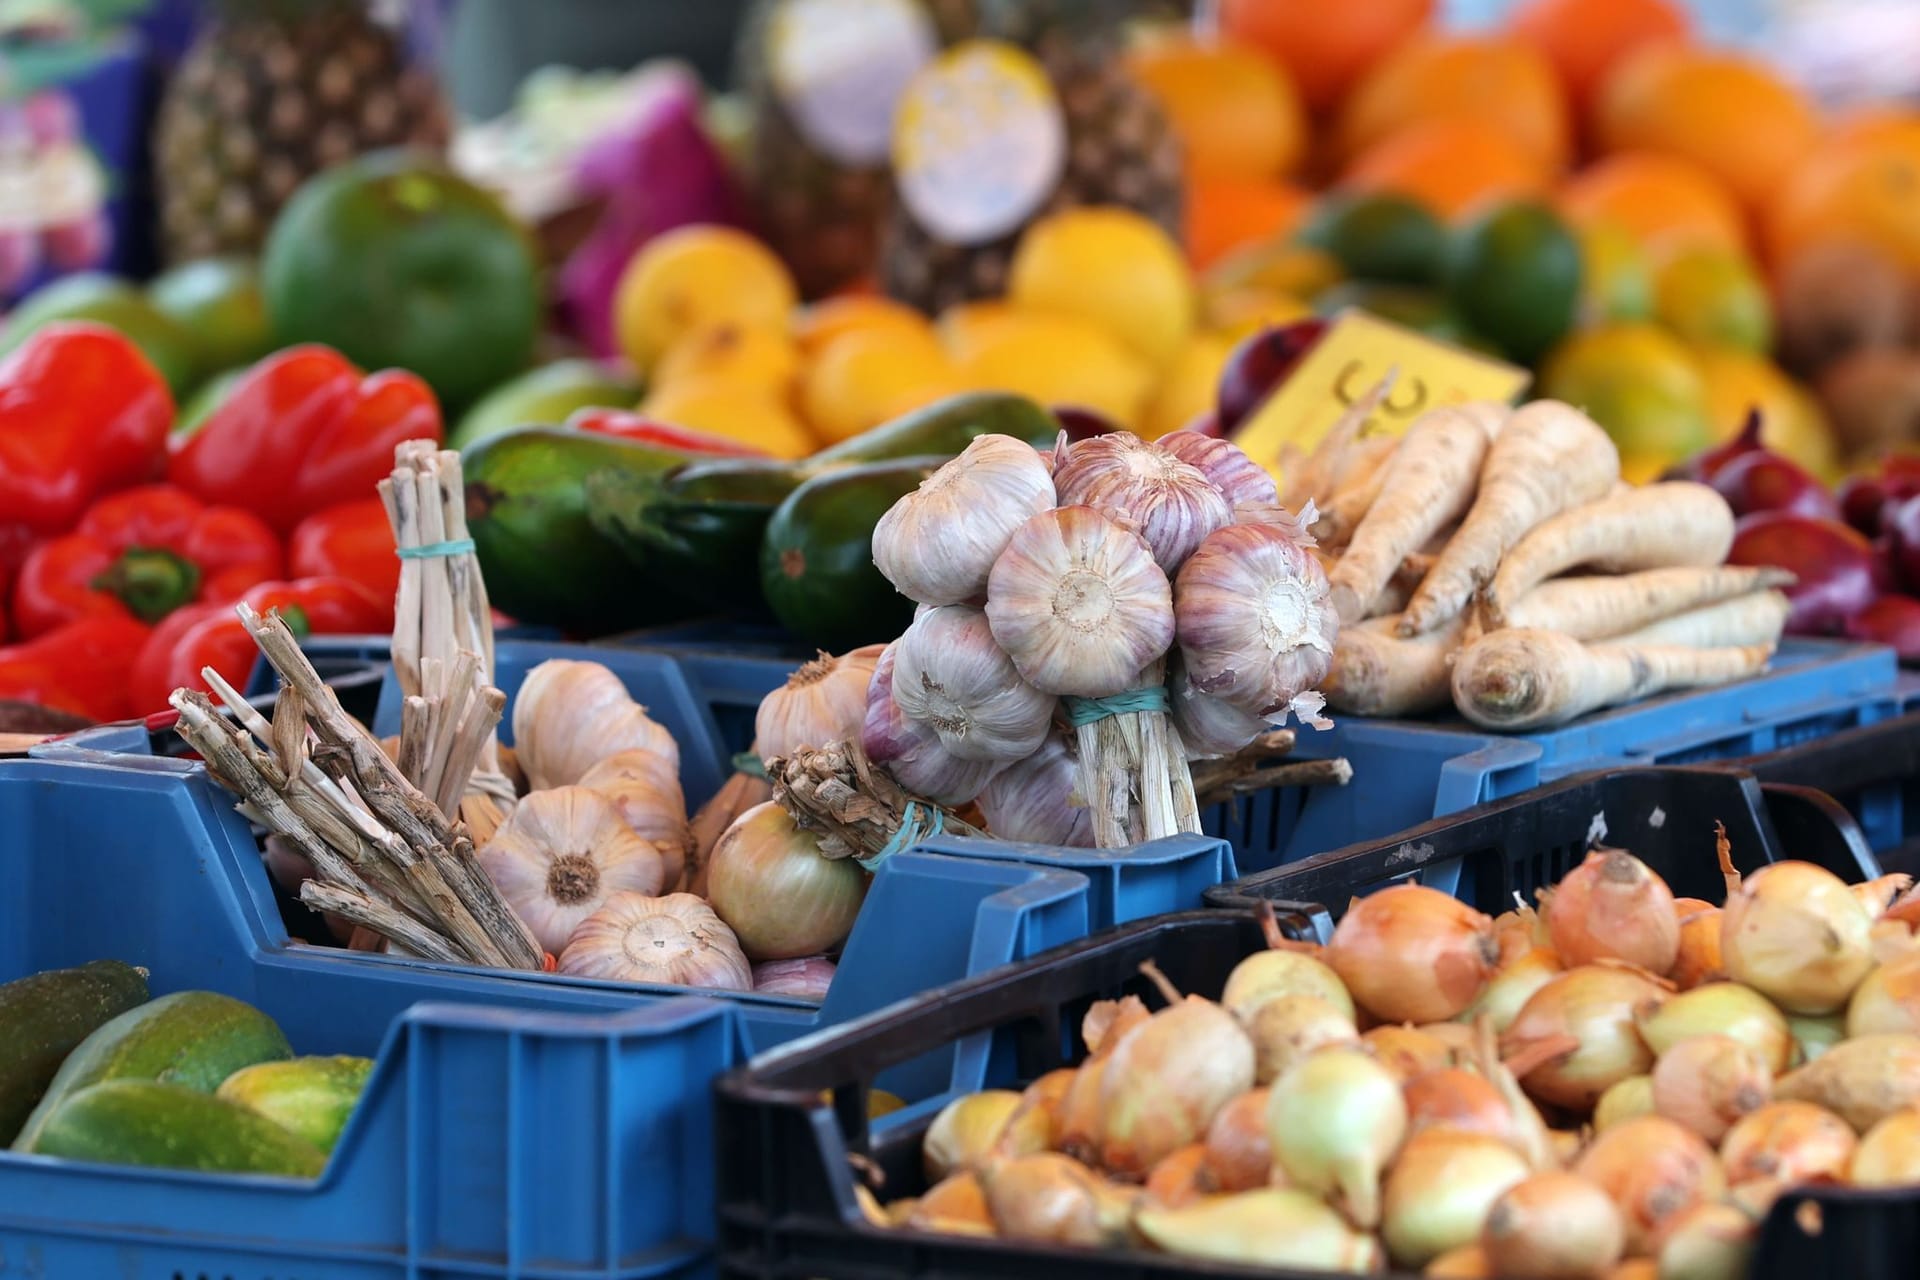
(727, 409)
(824, 321)
(760, 358)
(964, 327)
(1284, 267)
(1241, 311)
(1189, 386)
(869, 376)
(697, 278)
(1791, 420)
(1711, 296)
(1641, 384)
(1616, 282)
(1112, 268)
(1057, 360)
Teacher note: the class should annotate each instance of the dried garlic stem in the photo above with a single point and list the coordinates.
(857, 810)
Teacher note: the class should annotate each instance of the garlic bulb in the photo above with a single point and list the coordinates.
(1209, 727)
(912, 752)
(569, 716)
(561, 854)
(675, 941)
(1079, 604)
(937, 544)
(650, 802)
(823, 701)
(949, 675)
(1225, 465)
(806, 978)
(1253, 618)
(1036, 802)
(1171, 503)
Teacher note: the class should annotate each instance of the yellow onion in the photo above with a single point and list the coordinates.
(1861, 1080)
(955, 1205)
(1708, 1242)
(1048, 1096)
(1719, 1008)
(1077, 1124)
(1708, 1082)
(1455, 1098)
(769, 881)
(1239, 1154)
(1879, 893)
(1891, 940)
(1266, 974)
(1796, 934)
(1813, 1036)
(973, 1128)
(1288, 1028)
(1165, 1081)
(1623, 1100)
(1440, 1189)
(1269, 1227)
(1335, 1121)
(1554, 1226)
(1699, 960)
(1889, 1156)
(1520, 931)
(1513, 986)
(1457, 1036)
(1566, 1145)
(823, 701)
(1787, 1143)
(1613, 907)
(1413, 954)
(1048, 1198)
(1593, 1005)
(1468, 1262)
(1108, 1022)
(1887, 1001)
(1407, 1051)
(1636, 1269)
(1180, 1178)
(1654, 1170)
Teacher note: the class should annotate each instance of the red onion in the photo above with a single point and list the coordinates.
(1902, 524)
(1258, 365)
(1764, 481)
(1703, 466)
(1833, 563)
(1890, 620)
(1863, 503)
(807, 978)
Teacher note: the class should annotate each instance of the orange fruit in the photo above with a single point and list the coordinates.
(1234, 110)
(1585, 39)
(1728, 114)
(1324, 47)
(751, 415)
(1450, 166)
(765, 359)
(1489, 78)
(694, 278)
(1865, 189)
(821, 323)
(1875, 121)
(1111, 267)
(1663, 201)
(1055, 359)
(866, 377)
(1224, 214)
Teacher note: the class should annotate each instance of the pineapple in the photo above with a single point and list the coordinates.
(273, 92)
(1121, 150)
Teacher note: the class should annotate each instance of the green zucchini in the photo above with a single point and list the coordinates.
(944, 428)
(312, 1098)
(816, 564)
(194, 1039)
(170, 1126)
(44, 1017)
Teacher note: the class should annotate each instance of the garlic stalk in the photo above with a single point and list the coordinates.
(1171, 503)
(1037, 800)
(672, 941)
(822, 701)
(1253, 618)
(950, 676)
(569, 716)
(912, 752)
(561, 854)
(937, 544)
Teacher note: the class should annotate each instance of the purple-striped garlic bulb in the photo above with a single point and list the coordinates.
(1170, 502)
(938, 543)
(1255, 625)
(913, 753)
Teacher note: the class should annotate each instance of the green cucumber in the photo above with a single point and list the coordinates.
(945, 427)
(816, 563)
(194, 1039)
(44, 1017)
(169, 1126)
(311, 1098)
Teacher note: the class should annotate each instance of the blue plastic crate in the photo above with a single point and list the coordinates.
(532, 1126)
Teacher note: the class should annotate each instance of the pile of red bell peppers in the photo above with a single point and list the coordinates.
(124, 545)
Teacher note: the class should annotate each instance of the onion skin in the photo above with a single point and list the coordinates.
(1455, 1098)
(1469, 1262)
(1887, 1001)
(1180, 1178)
(1708, 1082)
(1553, 1226)
(1408, 1052)
(970, 1130)
(782, 899)
(1513, 986)
(1889, 1156)
(1699, 961)
(1166, 1080)
(1708, 1242)
(1271, 1227)
(1048, 1198)
(1861, 1080)
(1812, 1036)
(1594, 1004)
(955, 1204)
(1413, 954)
(1654, 1170)
(1796, 933)
(1719, 1008)
(1266, 974)
(1287, 1029)
(1622, 1101)
(1239, 1154)
(1440, 1189)
(1613, 907)
(1787, 1143)
(1335, 1121)
(1046, 1096)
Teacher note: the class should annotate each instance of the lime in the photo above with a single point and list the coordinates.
(1514, 276)
(1422, 310)
(1616, 278)
(545, 396)
(1642, 385)
(217, 301)
(1712, 297)
(111, 301)
(1383, 238)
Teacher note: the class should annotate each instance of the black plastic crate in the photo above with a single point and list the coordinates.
(1873, 770)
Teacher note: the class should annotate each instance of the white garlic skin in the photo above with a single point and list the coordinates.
(822, 702)
(1210, 727)
(1225, 465)
(937, 544)
(569, 716)
(949, 675)
(673, 941)
(1171, 503)
(561, 854)
(1079, 604)
(913, 753)
(1253, 619)
(1037, 800)
(649, 801)
(806, 978)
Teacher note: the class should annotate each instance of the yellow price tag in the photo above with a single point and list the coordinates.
(1347, 362)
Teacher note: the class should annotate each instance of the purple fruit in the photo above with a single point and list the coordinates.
(1258, 365)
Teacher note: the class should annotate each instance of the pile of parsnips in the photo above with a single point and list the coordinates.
(1446, 550)
(1617, 1088)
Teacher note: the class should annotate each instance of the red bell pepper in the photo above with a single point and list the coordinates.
(353, 540)
(212, 635)
(143, 552)
(636, 426)
(81, 667)
(303, 430)
(82, 413)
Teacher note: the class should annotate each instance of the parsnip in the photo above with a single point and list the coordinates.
(1400, 587)
(1658, 526)
(1593, 608)
(1524, 678)
(1758, 618)
(1547, 458)
(1428, 482)
(1375, 673)
(1354, 495)
(1313, 476)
